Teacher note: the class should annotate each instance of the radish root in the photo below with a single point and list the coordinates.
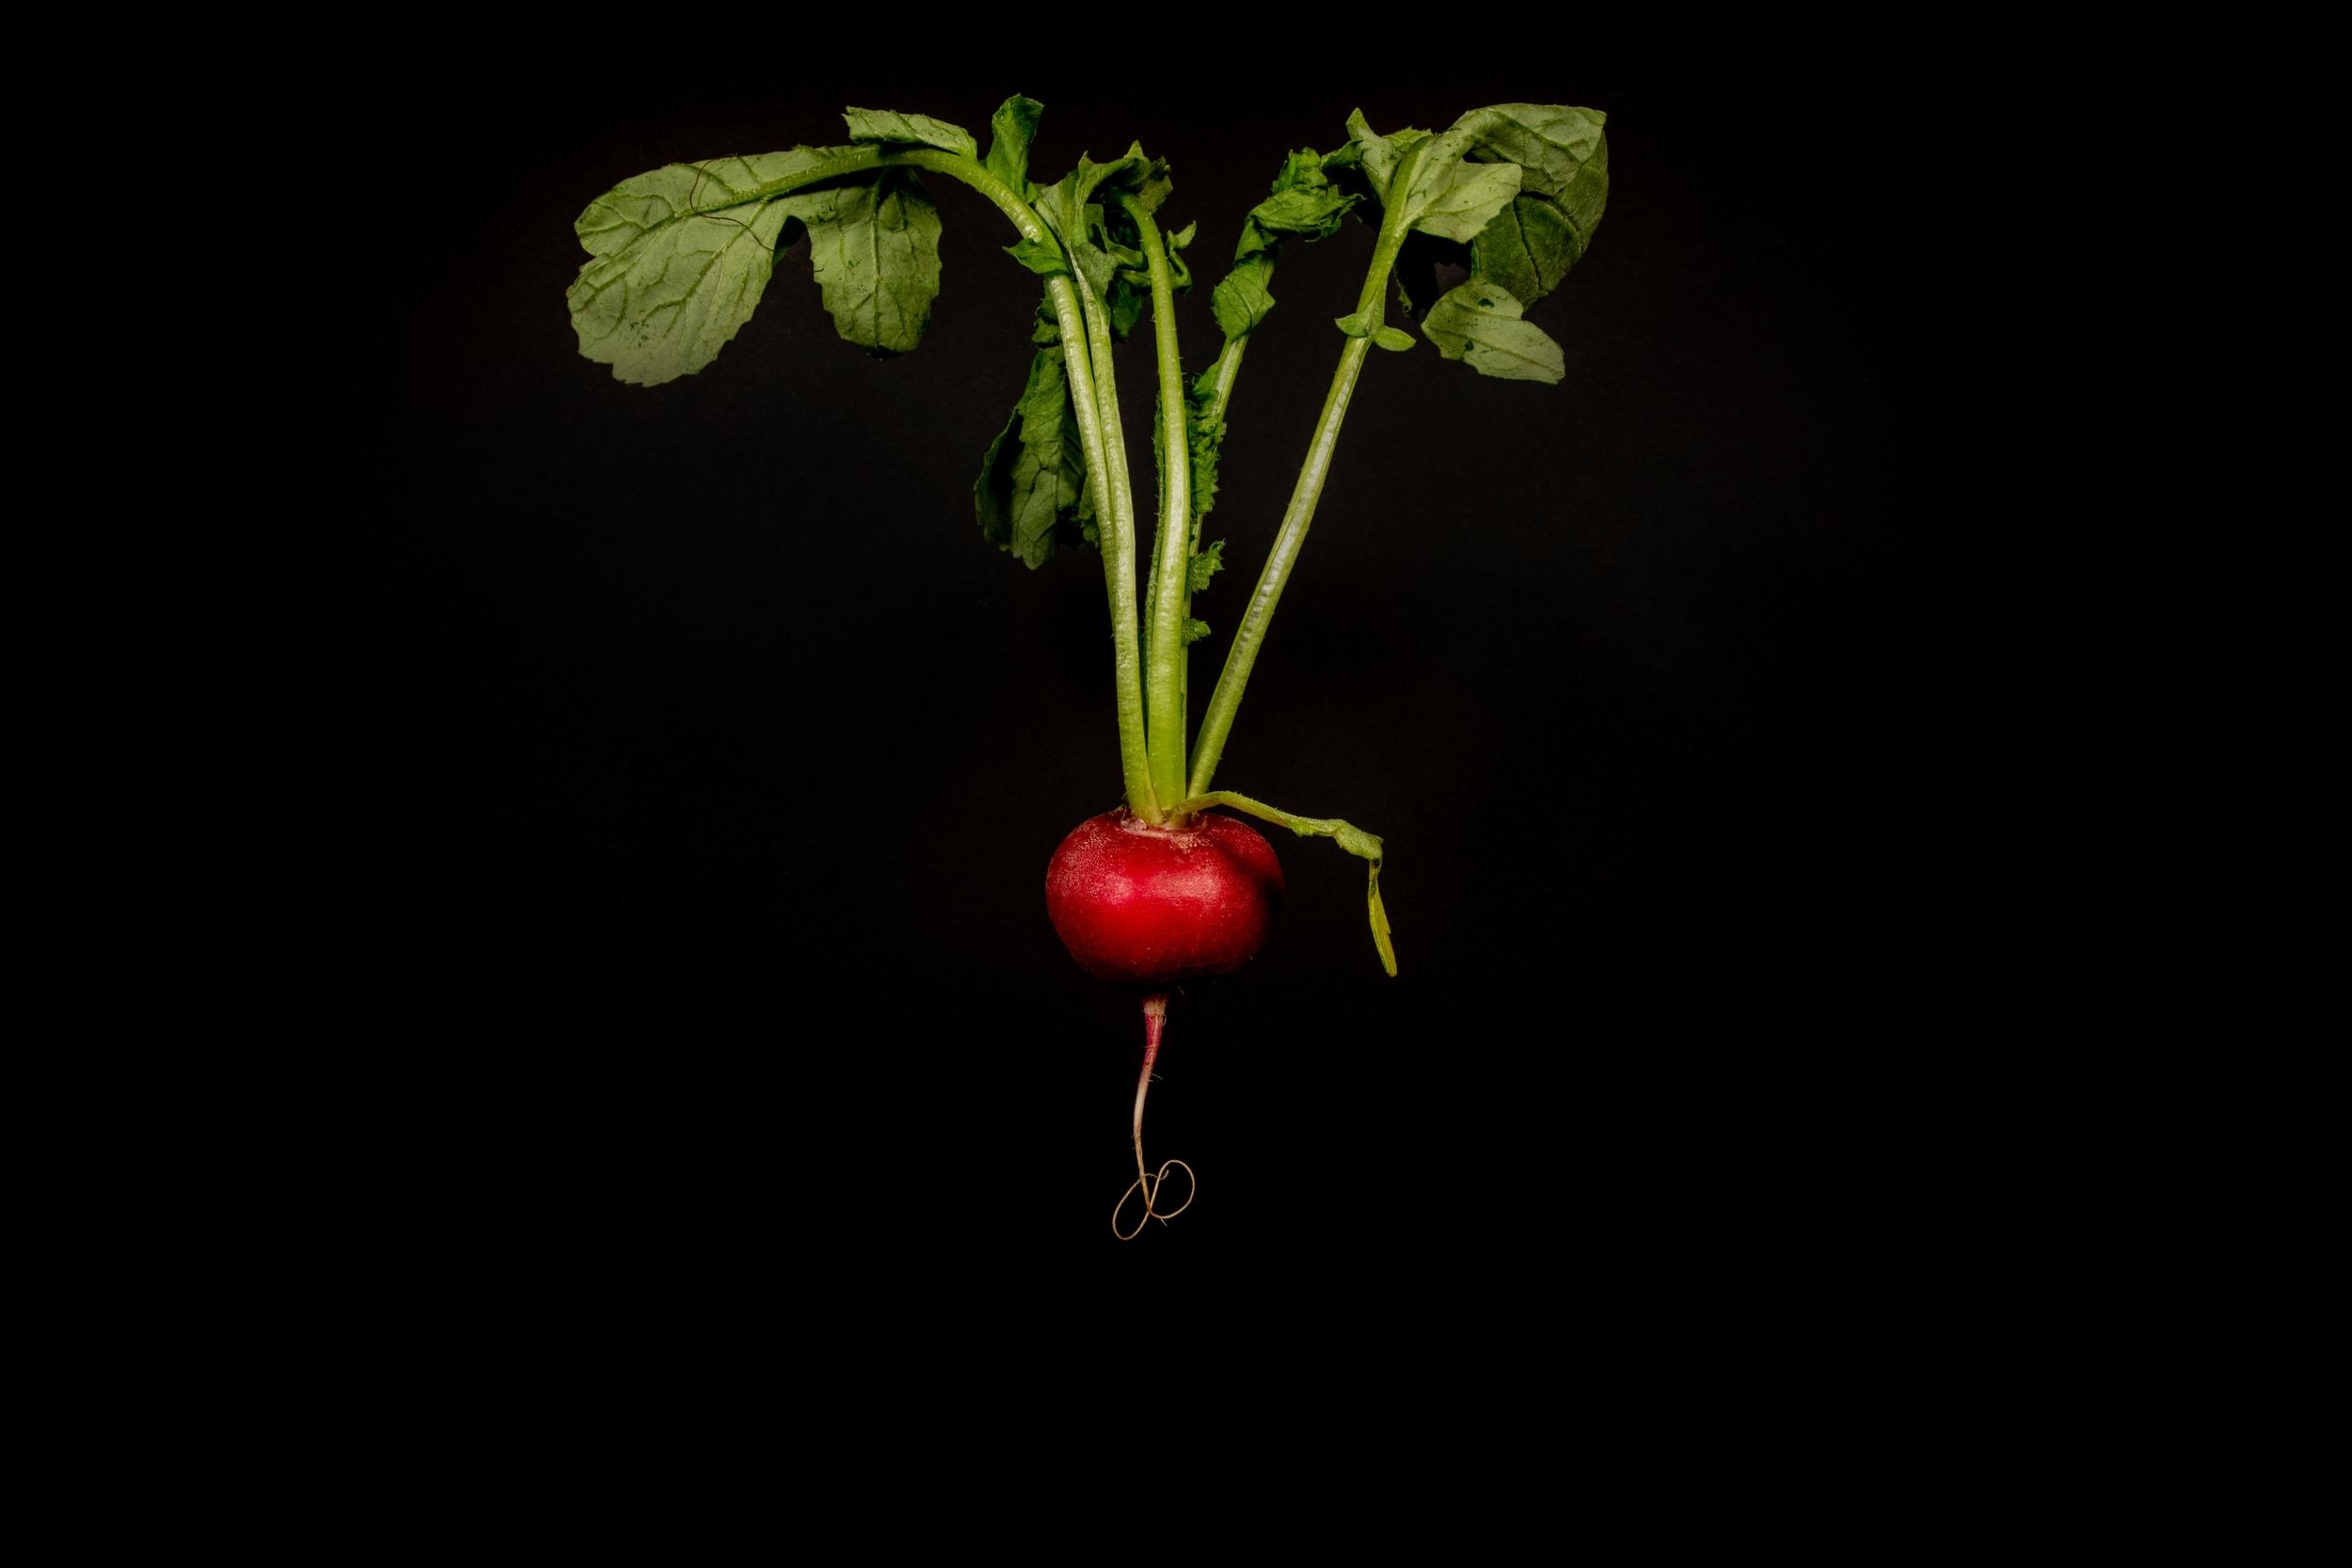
(1146, 1182)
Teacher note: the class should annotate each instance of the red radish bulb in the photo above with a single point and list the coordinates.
(1144, 905)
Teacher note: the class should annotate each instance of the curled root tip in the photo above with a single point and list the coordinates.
(1150, 1187)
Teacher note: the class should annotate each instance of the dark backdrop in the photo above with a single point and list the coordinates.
(706, 761)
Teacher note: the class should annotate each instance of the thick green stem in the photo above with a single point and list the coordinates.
(1115, 524)
(1226, 701)
(1094, 398)
(1164, 678)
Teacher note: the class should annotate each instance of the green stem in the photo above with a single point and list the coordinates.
(1220, 399)
(1346, 834)
(1164, 678)
(1228, 368)
(1352, 839)
(1226, 701)
(1094, 398)
(1115, 521)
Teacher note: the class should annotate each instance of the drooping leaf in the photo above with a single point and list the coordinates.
(1528, 249)
(680, 258)
(875, 247)
(887, 125)
(1014, 125)
(1381, 937)
(1028, 494)
(1557, 146)
(1479, 322)
(1563, 154)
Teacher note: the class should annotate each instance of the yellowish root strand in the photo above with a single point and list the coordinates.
(1146, 1182)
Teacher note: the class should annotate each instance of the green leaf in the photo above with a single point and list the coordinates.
(1315, 211)
(1479, 322)
(885, 125)
(1028, 494)
(1204, 566)
(680, 258)
(875, 248)
(1561, 150)
(1380, 936)
(1528, 249)
(1241, 301)
(1126, 308)
(1015, 126)
(1144, 178)
(1379, 154)
(1042, 256)
(1195, 631)
(1063, 204)
(1563, 156)
(1357, 324)
(1302, 169)
(1454, 199)
(1395, 339)
(1179, 270)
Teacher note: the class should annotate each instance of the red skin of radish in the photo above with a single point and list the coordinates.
(1143, 906)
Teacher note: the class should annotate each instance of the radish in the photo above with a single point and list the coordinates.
(1166, 888)
(1140, 905)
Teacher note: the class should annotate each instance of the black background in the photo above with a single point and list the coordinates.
(705, 762)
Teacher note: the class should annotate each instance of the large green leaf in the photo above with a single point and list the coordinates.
(680, 259)
(1562, 155)
(1479, 322)
(875, 247)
